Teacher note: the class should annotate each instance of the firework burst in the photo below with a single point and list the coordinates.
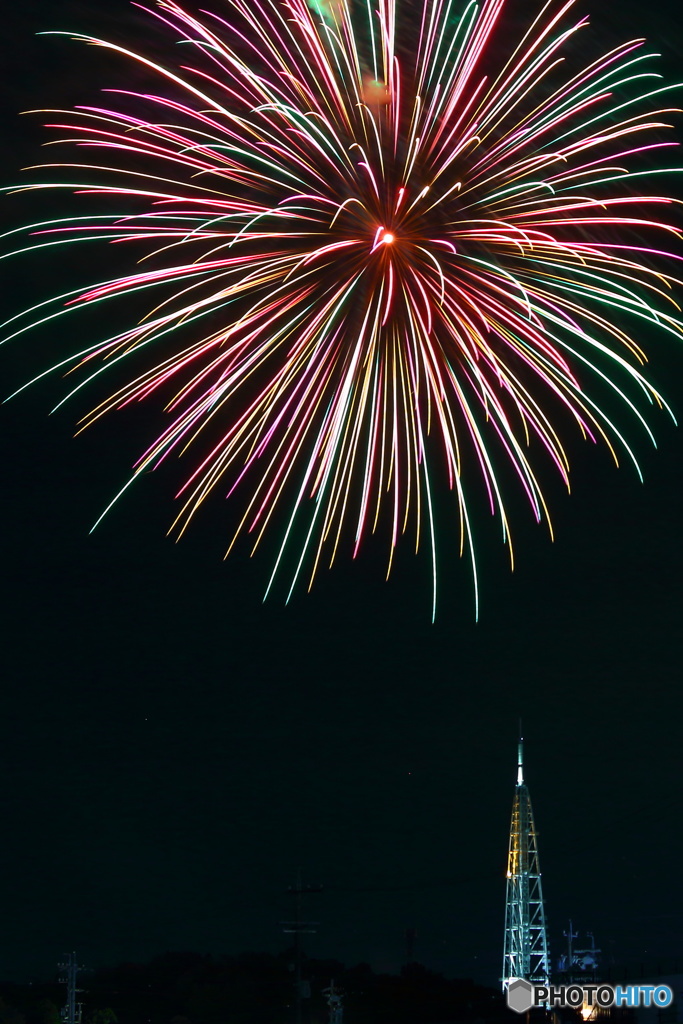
(385, 246)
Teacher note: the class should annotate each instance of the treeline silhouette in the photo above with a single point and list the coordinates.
(255, 988)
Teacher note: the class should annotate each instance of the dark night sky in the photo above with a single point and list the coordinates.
(173, 750)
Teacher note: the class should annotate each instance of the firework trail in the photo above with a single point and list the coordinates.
(387, 249)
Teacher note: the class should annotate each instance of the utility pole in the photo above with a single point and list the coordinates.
(73, 1011)
(334, 1001)
(297, 928)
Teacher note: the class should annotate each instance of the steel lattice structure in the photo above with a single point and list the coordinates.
(526, 944)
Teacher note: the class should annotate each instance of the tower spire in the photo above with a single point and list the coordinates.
(526, 947)
(520, 757)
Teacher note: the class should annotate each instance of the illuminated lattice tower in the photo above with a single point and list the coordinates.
(526, 945)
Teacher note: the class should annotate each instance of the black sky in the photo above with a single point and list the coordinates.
(172, 750)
